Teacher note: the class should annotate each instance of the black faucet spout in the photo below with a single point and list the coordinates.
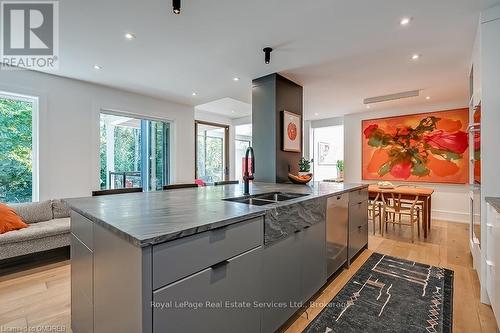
(247, 177)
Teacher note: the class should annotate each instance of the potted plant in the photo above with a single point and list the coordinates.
(340, 169)
(304, 167)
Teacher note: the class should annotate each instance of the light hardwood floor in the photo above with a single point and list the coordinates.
(41, 297)
(446, 246)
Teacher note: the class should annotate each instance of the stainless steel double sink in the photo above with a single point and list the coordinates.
(266, 198)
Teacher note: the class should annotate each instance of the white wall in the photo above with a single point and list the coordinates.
(449, 202)
(69, 129)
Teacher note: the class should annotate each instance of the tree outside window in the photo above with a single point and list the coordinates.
(16, 150)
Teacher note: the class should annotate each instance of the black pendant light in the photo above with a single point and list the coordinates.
(267, 54)
(176, 5)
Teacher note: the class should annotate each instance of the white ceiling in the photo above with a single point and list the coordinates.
(228, 107)
(341, 51)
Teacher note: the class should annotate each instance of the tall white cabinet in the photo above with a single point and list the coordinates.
(493, 258)
(486, 58)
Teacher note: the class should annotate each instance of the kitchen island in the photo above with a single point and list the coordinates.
(188, 260)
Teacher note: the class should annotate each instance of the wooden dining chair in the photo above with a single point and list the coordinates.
(116, 191)
(408, 203)
(374, 211)
(393, 212)
(178, 186)
(227, 182)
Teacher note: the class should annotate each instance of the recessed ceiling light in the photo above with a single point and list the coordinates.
(194, 94)
(405, 21)
(428, 97)
(97, 67)
(236, 79)
(316, 114)
(416, 56)
(368, 106)
(129, 36)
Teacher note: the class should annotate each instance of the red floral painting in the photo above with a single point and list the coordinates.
(430, 147)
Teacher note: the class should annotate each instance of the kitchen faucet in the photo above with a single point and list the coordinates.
(246, 174)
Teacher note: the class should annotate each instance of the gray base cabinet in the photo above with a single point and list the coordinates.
(82, 274)
(226, 279)
(313, 260)
(294, 270)
(218, 299)
(281, 282)
(82, 303)
(358, 222)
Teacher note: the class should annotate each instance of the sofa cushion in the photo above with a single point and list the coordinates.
(33, 246)
(37, 230)
(60, 209)
(34, 212)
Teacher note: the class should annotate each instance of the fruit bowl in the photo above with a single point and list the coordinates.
(300, 179)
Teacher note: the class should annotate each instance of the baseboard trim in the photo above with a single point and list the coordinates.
(450, 216)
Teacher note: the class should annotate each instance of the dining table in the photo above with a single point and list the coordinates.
(408, 192)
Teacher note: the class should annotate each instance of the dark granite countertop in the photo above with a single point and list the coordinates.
(155, 217)
(494, 202)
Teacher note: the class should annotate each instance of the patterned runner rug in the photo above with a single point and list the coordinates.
(389, 294)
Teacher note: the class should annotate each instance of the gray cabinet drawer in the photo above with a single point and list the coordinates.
(179, 258)
(358, 196)
(358, 239)
(82, 228)
(237, 280)
(82, 319)
(358, 215)
(358, 227)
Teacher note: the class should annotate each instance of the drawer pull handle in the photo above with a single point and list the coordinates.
(220, 264)
(339, 197)
(307, 227)
(360, 226)
(489, 225)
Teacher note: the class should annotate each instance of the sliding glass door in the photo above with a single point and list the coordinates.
(134, 152)
(212, 148)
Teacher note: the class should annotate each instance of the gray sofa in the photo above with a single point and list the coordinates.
(49, 228)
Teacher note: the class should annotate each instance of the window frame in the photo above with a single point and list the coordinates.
(35, 101)
(226, 162)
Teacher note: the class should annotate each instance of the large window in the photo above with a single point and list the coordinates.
(18, 139)
(133, 152)
(212, 145)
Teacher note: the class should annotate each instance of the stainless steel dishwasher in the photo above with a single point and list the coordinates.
(337, 223)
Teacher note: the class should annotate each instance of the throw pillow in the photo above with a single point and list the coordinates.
(9, 220)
